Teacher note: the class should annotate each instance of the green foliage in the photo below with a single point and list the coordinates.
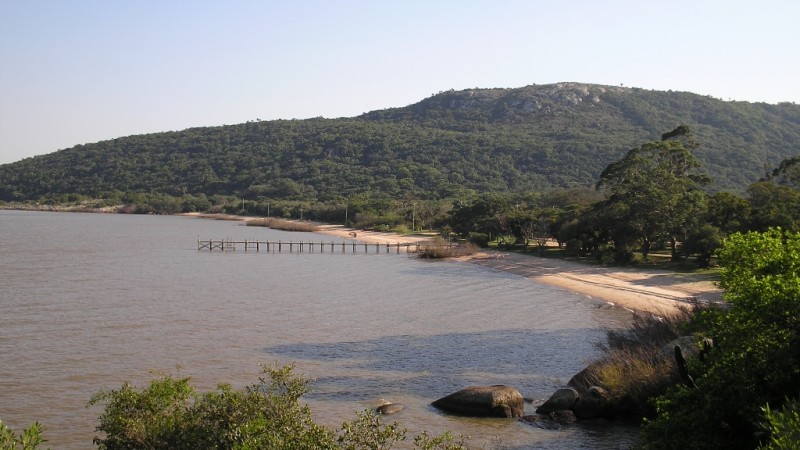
(787, 173)
(703, 241)
(783, 427)
(29, 439)
(653, 193)
(757, 363)
(452, 144)
(368, 432)
(774, 205)
(487, 214)
(169, 413)
(728, 212)
(445, 441)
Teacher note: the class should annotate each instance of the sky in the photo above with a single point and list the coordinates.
(81, 71)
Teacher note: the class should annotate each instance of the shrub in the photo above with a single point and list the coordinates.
(631, 378)
(635, 367)
(401, 229)
(440, 249)
(479, 239)
(650, 332)
(446, 441)
(283, 224)
(169, 413)
(757, 362)
(29, 439)
(367, 431)
(783, 427)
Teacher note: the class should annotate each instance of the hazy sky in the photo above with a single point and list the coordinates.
(80, 71)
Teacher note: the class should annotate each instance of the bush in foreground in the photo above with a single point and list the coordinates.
(756, 366)
(29, 439)
(783, 426)
(169, 413)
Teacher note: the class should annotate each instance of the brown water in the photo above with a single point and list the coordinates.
(88, 301)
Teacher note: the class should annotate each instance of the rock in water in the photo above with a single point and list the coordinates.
(389, 408)
(561, 400)
(484, 401)
(592, 404)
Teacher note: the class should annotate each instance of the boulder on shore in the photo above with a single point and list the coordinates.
(484, 401)
(561, 400)
(590, 404)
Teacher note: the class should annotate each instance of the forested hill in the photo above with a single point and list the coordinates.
(525, 139)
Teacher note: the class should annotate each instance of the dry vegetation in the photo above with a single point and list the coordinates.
(440, 249)
(283, 224)
(636, 365)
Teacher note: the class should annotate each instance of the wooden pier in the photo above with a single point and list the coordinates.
(307, 247)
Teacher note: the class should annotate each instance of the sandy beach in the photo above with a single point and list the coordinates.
(637, 289)
(646, 290)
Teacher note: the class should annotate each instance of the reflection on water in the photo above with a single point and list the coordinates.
(90, 301)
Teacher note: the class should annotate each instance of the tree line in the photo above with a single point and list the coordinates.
(454, 144)
(653, 198)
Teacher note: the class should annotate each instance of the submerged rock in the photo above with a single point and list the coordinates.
(552, 421)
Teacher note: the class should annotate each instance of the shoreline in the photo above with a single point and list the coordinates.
(653, 291)
(650, 291)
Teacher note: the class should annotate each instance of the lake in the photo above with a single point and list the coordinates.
(89, 301)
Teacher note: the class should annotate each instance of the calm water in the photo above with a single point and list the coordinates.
(88, 301)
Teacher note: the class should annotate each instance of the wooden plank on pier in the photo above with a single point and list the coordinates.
(304, 247)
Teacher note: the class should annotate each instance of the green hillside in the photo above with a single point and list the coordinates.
(486, 140)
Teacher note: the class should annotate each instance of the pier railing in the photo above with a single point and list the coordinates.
(308, 247)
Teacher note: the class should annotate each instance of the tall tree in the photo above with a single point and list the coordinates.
(774, 205)
(787, 173)
(487, 214)
(653, 192)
